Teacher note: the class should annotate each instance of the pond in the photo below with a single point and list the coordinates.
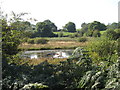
(47, 53)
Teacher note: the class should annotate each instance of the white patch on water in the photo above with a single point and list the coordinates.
(33, 56)
(60, 55)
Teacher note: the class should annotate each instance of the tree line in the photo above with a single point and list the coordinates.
(47, 28)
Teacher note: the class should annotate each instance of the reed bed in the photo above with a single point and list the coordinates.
(53, 45)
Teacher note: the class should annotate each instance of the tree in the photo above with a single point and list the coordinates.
(97, 26)
(112, 26)
(84, 29)
(70, 27)
(44, 29)
(51, 25)
(83, 24)
(89, 33)
(11, 38)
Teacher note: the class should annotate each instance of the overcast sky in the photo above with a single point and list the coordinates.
(62, 11)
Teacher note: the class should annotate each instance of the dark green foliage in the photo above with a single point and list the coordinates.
(111, 34)
(113, 76)
(52, 25)
(14, 76)
(92, 29)
(82, 39)
(84, 28)
(118, 46)
(112, 26)
(103, 50)
(118, 32)
(19, 25)
(89, 33)
(97, 26)
(10, 39)
(45, 29)
(70, 27)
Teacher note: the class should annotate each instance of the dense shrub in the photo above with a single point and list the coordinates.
(41, 41)
(118, 46)
(111, 34)
(82, 39)
(102, 49)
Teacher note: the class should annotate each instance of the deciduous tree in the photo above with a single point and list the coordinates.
(70, 27)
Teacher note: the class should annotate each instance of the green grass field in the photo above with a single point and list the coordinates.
(64, 33)
(101, 32)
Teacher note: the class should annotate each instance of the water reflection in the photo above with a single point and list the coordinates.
(33, 56)
(61, 55)
(47, 53)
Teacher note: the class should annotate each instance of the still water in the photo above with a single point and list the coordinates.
(47, 53)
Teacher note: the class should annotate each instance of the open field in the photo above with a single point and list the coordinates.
(64, 33)
(101, 32)
(53, 45)
(62, 39)
(57, 43)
